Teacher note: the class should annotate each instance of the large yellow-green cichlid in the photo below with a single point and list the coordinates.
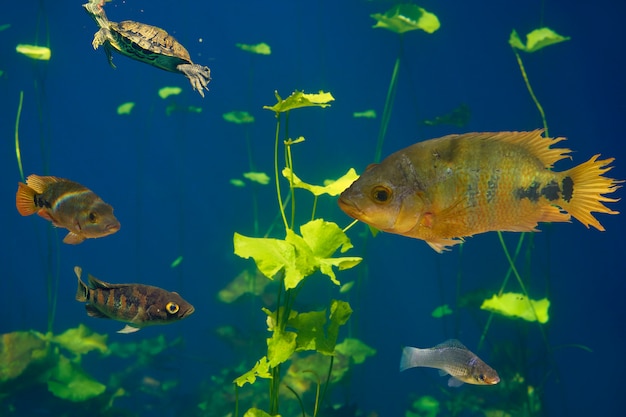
(136, 304)
(66, 204)
(444, 189)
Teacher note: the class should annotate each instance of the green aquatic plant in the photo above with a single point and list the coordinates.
(165, 92)
(125, 108)
(535, 41)
(259, 48)
(293, 259)
(400, 19)
(40, 53)
(512, 304)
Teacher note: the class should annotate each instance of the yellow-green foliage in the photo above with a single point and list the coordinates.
(40, 53)
(167, 91)
(536, 40)
(260, 48)
(406, 17)
(299, 99)
(518, 306)
(331, 187)
(238, 117)
(125, 108)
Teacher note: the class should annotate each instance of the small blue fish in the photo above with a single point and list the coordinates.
(451, 357)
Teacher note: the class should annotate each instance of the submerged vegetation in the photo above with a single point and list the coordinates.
(292, 367)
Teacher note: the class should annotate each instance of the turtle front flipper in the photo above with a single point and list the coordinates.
(198, 75)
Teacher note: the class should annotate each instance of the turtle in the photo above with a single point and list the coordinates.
(146, 43)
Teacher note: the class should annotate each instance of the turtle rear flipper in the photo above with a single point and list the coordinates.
(198, 75)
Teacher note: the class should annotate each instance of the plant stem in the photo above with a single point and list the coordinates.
(18, 154)
(532, 94)
(280, 200)
(391, 94)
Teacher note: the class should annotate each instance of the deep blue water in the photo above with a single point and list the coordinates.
(168, 179)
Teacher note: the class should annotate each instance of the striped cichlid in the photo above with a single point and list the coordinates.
(136, 304)
(66, 204)
(451, 357)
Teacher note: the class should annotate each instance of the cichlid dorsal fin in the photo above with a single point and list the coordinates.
(533, 141)
(96, 283)
(39, 184)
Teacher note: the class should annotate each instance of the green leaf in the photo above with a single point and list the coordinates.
(280, 347)
(238, 117)
(41, 53)
(441, 311)
(255, 412)
(331, 187)
(517, 305)
(260, 177)
(536, 40)
(271, 255)
(305, 261)
(355, 349)
(260, 48)
(406, 17)
(299, 99)
(260, 370)
(81, 340)
(68, 381)
(366, 114)
(125, 108)
(165, 92)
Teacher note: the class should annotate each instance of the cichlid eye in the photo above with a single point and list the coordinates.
(172, 308)
(381, 194)
(93, 217)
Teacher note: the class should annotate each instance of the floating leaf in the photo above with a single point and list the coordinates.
(299, 256)
(355, 349)
(280, 347)
(237, 182)
(299, 99)
(367, 114)
(165, 92)
(68, 381)
(260, 48)
(458, 117)
(35, 52)
(441, 311)
(260, 370)
(331, 187)
(346, 287)
(4, 26)
(536, 40)
(19, 350)
(406, 17)
(517, 305)
(260, 177)
(247, 282)
(81, 340)
(125, 108)
(313, 334)
(238, 117)
(255, 412)
(176, 262)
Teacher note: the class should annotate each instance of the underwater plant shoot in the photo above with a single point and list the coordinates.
(359, 209)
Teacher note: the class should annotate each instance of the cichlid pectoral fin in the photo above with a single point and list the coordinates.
(73, 239)
(453, 382)
(129, 329)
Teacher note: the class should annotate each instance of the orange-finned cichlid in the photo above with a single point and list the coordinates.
(66, 204)
(451, 357)
(444, 189)
(136, 304)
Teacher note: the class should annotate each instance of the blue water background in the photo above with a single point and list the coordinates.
(168, 176)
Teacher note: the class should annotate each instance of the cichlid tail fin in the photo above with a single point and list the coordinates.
(82, 292)
(25, 200)
(582, 191)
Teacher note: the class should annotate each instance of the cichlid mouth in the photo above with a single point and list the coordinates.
(348, 207)
(189, 312)
(113, 227)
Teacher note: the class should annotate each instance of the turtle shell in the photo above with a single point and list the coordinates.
(149, 44)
